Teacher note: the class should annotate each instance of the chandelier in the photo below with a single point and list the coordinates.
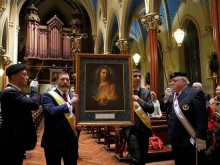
(179, 34)
(136, 56)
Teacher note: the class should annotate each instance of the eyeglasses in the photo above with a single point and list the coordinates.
(175, 80)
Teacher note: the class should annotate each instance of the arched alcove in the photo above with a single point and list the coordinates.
(192, 53)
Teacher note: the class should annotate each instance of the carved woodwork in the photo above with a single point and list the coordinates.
(49, 46)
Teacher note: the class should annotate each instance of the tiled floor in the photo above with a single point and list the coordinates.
(90, 153)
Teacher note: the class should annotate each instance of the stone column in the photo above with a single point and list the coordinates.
(152, 21)
(6, 60)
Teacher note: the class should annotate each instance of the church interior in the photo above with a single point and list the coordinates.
(164, 36)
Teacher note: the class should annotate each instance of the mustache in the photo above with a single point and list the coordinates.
(65, 85)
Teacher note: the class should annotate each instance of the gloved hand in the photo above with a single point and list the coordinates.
(168, 93)
(34, 83)
(200, 144)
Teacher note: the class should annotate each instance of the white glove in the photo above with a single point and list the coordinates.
(168, 93)
(200, 144)
(34, 83)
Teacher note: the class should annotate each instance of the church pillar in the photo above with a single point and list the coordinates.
(123, 45)
(215, 6)
(152, 21)
(6, 60)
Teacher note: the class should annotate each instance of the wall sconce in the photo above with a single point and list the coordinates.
(1, 72)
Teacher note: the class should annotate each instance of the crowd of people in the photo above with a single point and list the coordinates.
(185, 107)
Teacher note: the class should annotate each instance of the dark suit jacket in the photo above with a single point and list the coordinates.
(147, 107)
(56, 127)
(192, 103)
(18, 130)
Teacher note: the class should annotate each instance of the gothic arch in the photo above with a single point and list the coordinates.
(113, 23)
(5, 40)
(192, 53)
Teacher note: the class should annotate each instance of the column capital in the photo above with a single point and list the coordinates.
(104, 20)
(122, 44)
(94, 36)
(169, 47)
(11, 25)
(2, 51)
(17, 28)
(120, 2)
(6, 59)
(151, 21)
(2, 9)
(209, 28)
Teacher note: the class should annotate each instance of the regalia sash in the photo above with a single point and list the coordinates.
(69, 116)
(141, 114)
(184, 121)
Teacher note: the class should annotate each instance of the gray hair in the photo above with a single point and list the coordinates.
(185, 79)
(197, 84)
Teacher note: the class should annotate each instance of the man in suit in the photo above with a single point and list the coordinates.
(138, 134)
(187, 120)
(18, 131)
(60, 139)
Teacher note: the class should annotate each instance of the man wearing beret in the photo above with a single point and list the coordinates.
(187, 120)
(18, 131)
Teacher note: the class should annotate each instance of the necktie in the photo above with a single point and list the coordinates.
(177, 94)
(64, 97)
(135, 92)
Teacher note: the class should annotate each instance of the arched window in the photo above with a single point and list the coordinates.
(192, 54)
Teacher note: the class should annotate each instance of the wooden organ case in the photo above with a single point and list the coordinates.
(49, 46)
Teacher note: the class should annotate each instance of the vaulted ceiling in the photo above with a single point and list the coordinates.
(89, 10)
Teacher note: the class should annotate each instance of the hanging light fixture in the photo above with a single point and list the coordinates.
(136, 56)
(179, 34)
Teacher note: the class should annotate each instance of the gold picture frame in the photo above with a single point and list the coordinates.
(109, 104)
(53, 75)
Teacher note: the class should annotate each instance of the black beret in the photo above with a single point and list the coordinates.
(13, 69)
(177, 74)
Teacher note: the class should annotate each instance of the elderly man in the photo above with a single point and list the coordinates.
(18, 130)
(187, 120)
(198, 85)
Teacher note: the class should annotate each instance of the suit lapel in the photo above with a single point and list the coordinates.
(140, 93)
(183, 93)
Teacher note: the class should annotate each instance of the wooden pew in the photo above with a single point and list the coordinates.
(100, 134)
(165, 154)
(94, 132)
(109, 138)
(160, 129)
